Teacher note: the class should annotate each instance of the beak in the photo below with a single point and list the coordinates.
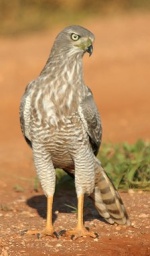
(90, 49)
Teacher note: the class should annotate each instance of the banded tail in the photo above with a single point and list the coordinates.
(107, 199)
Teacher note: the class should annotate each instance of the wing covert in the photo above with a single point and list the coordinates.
(25, 112)
(91, 119)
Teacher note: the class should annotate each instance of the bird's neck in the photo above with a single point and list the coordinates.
(66, 69)
(64, 77)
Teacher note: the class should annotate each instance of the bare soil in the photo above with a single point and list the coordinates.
(119, 75)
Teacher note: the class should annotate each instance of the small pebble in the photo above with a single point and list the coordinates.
(143, 215)
(58, 245)
(140, 192)
(131, 191)
(118, 228)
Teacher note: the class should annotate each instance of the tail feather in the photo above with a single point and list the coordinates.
(107, 199)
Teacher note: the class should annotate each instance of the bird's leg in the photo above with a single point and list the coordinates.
(80, 225)
(49, 225)
(48, 230)
(80, 230)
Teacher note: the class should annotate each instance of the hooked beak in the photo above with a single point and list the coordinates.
(90, 49)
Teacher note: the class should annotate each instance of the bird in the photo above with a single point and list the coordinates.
(61, 123)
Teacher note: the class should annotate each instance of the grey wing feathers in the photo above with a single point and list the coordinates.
(92, 119)
(25, 110)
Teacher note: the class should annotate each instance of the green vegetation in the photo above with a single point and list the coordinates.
(73, 208)
(18, 188)
(127, 165)
(36, 185)
(63, 180)
(22, 16)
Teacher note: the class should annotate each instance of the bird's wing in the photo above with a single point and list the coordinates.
(25, 111)
(91, 119)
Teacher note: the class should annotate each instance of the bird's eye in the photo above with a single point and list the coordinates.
(75, 37)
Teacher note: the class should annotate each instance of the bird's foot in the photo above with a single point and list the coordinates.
(41, 233)
(77, 233)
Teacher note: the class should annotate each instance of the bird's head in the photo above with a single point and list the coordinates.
(74, 39)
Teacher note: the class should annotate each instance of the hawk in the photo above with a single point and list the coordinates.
(60, 121)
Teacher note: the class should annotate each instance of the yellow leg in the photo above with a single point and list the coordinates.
(80, 230)
(48, 231)
(49, 224)
(80, 225)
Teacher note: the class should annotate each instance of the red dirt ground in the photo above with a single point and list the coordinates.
(119, 75)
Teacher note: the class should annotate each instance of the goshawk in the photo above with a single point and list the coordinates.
(60, 121)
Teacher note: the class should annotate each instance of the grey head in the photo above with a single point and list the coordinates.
(73, 40)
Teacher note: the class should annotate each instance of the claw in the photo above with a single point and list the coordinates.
(96, 235)
(73, 237)
(56, 234)
(62, 233)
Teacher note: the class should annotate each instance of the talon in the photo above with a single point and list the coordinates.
(73, 237)
(56, 234)
(62, 232)
(96, 235)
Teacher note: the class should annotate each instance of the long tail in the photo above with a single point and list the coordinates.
(107, 199)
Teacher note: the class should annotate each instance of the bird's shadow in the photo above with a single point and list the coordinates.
(65, 201)
(62, 203)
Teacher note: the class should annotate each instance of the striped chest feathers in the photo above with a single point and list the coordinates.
(54, 105)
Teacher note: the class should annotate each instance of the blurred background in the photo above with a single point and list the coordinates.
(118, 71)
(24, 16)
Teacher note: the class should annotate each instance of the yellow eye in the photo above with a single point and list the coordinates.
(75, 37)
